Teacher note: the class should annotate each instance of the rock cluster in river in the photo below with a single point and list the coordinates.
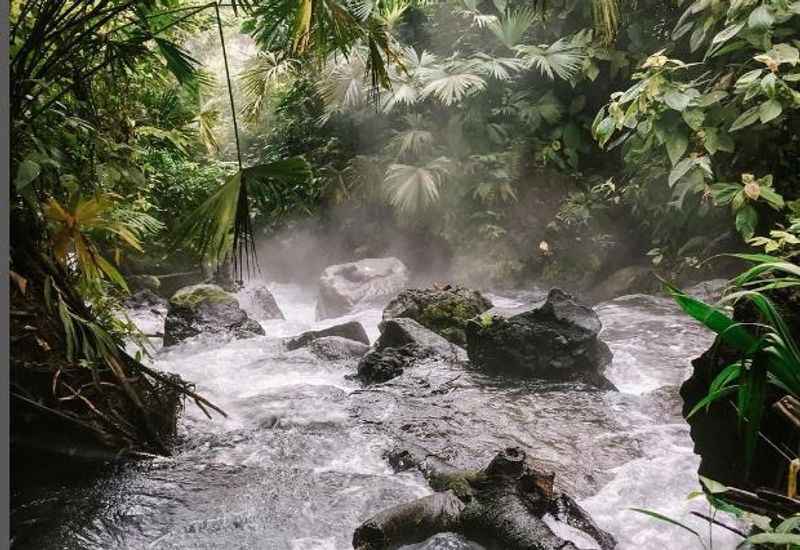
(555, 341)
(444, 310)
(206, 309)
(342, 287)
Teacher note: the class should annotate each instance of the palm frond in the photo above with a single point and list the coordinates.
(207, 120)
(222, 224)
(413, 140)
(259, 78)
(452, 83)
(413, 189)
(510, 29)
(499, 68)
(561, 58)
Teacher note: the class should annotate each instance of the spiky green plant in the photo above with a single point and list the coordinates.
(769, 352)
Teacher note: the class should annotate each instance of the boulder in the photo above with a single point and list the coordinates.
(351, 330)
(556, 341)
(716, 431)
(381, 365)
(445, 310)
(401, 331)
(144, 282)
(500, 506)
(336, 348)
(344, 286)
(206, 309)
(634, 279)
(403, 343)
(259, 303)
(708, 291)
(144, 298)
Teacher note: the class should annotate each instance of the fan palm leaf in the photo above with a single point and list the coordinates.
(510, 29)
(413, 189)
(221, 224)
(561, 58)
(259, 78)
(452, 82)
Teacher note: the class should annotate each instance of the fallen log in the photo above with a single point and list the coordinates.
(501, 506)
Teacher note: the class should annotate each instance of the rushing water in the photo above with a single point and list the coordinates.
(298, 463)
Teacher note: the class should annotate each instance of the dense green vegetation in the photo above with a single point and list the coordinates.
(551, 140)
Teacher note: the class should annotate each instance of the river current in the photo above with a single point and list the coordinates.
(298, 463)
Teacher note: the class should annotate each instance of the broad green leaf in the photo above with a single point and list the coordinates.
(676, 142)
(27, 172)
(727, 33)
(678, 100)
(770, 110)
(711, 98)
(680, 170)
(745, 119)
(748, 78)
(694, 118)
(761, 18)
(746, 221)
(714, 487)
(784, 53)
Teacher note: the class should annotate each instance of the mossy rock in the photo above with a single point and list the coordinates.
(206, 309)
(445, 311)
(191, 296)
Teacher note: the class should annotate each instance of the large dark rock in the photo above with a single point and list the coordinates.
(259, 303)
(556, 341)
(342, 287)
(381, 365)
(351, 330)
(715, 432)
(145, 298)
(336, 348)
(445, 311)
(206, 309)
(401, 331)
(402, 344)
(501, 506)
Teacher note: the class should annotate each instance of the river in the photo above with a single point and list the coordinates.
(298, 463)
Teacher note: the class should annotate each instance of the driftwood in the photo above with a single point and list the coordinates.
(501, 506)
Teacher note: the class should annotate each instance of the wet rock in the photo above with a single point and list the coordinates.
(402, 331)
(634, 279)
(170, 283)
(708, 291)
(445, 311)
(501, 506)
(715, 431)
(342, 287)
(352, 330)
(664, 402)
(259, 303)
(556, 341)
(144, 282)
(145, 299)
(381, 365)
(336, 348)
(206, 309)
